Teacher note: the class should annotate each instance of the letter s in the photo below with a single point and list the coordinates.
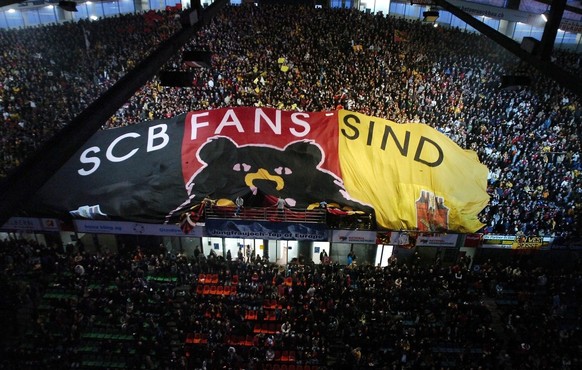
(347, 122)
(299, 122)
(85, 159)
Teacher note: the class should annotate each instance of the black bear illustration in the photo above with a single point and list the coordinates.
(293, 173)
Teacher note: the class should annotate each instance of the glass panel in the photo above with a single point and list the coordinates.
(336, 3)
(413, 11)
(157, 4)
(110, 8)
(3, 23)
(456, 22)
(126, 6)
(32, 18)
(14, 18)
(492, 22)
(445, 17)
(82, 12)
(521, 30)
(567, 39)
(397, 9)
(47, 14)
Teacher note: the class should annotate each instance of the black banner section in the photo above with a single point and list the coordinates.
(133, 171)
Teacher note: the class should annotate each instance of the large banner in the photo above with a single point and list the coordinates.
(411, 176)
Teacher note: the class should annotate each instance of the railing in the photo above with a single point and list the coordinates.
(267, 214)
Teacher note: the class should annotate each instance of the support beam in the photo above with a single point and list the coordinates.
(569, 8)
(27, 179)
(551, 70)
(551, 29)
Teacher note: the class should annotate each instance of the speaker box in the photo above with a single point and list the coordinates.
(515, 80)
(197, 58)
(178, 79)
(69, 6)
(430, 16)
(189, 18)
(530, 44)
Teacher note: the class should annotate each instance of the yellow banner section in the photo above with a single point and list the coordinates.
(415, 177)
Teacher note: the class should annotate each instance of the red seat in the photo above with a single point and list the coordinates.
(213, 289)
(200, 289)
(214, 279)
(197, 338)
(234, 279)
(249, 341)
(190, 338)
(201, 278)
(292, 356)
(258, 329)
(220, 290)
(285, 356)
(206, 290)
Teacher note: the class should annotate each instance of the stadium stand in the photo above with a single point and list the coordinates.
(65, 308)
(148, 309)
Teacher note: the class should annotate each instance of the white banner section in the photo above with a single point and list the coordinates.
(354, 236)
(31, 224)
(134, 228)
(441, 240)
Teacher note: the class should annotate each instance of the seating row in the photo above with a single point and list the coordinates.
(253, 315)
(213, 279)
(268, 366)
(216, 290)
(266, 328)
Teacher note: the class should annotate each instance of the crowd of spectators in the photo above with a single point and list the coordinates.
(141, 309)
(49, 74)
(406, 71)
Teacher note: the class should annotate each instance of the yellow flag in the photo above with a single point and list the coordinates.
(415, 177)
(284, 68)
